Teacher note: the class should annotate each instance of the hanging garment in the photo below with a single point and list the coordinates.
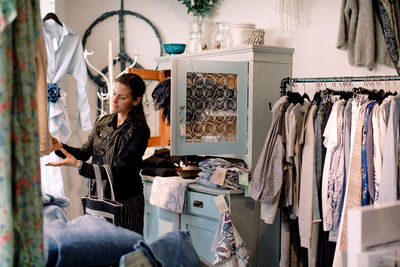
(285, 241)
(229, 244)
(331, 143)
(340, 257)
(287, 190)
(354, 188)
(387, 13)
(306, 185)
(333, 233)
(364, 167)
(65, 56)
(41, 92)
(370, 158)
(347, 135)
(267, 178)
(379, 122)
(377, 148)
(360, 34)
(21, 235)
(325, 248)
(336, 174)
(317, 172)
(390, 164)
(296, 124)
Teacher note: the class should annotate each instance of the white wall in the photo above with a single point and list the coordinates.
(315, 53)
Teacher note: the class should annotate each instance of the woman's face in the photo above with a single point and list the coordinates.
(122, 100)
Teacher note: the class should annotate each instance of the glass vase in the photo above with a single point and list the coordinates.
(222, 37)
(198, 35)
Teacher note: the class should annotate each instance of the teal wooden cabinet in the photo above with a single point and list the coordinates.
(196, 129)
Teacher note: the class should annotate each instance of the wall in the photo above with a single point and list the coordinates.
(315, 53)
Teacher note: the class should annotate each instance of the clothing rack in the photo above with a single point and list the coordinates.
(288, 80)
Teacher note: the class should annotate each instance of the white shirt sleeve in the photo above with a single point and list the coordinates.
(79, 72)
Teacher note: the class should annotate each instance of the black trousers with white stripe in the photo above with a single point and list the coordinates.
(133, 213)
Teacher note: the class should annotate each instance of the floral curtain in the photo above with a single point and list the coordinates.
(21, 236)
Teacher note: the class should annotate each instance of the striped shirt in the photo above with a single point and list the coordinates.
(268, 174)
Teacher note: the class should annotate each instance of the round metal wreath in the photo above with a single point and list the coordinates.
(122, 56)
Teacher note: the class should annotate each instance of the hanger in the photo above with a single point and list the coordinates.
(52, 16)
(295, 97)
(305, 96)
(316, 97)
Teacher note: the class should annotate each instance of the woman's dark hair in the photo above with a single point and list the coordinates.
(137, 87)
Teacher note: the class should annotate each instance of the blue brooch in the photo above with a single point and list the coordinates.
(53, 92)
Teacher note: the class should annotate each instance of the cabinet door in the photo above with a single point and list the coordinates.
(158, 222)
(202, 233)
(159, 130)
(208, 107)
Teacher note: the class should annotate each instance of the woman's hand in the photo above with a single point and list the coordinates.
(68, 161)
(56, 144)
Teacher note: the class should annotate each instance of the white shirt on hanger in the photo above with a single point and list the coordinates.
(390, 160)
(65, 56)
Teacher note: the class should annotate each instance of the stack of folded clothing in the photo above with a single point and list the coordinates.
(233, 170)
(159, 164)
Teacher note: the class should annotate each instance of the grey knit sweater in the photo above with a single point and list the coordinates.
(361, 35)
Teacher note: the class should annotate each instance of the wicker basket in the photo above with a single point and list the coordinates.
(240, 33)
(255, 37)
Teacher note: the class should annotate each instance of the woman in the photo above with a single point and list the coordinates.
(119, 140)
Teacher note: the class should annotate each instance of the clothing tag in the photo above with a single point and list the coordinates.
(221, 204)
(244, 178)
(182, 129)
(218, 176)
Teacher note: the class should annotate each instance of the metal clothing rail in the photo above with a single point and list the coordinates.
(288, 80)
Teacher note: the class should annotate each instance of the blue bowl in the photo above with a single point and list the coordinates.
(174, 49)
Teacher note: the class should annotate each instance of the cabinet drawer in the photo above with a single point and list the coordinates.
(201, 204)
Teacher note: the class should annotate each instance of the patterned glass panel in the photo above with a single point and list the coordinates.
(211, 107)
(149, 108)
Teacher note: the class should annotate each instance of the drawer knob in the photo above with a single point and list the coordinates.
(198, 204)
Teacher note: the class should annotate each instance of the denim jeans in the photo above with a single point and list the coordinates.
(172, 249)
(86, 241)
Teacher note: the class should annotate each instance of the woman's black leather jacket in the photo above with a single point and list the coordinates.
(120, 147)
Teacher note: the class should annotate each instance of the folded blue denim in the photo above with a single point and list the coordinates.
(172, 249)
(86, 241)
(54, 212)
(60, 201)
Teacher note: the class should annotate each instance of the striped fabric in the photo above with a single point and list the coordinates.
(353, 198)
(268, 175)
(132, 213)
